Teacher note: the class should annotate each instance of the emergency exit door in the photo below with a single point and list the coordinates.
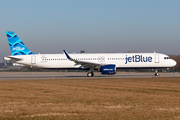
(33, 59)
(156, 58)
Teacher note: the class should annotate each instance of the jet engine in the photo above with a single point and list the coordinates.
(108, 69)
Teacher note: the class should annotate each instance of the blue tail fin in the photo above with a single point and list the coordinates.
(17, 47)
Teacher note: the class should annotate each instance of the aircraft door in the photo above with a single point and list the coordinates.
(156, 58)
(33, 59)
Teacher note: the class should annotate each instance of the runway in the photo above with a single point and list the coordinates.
(77, 75)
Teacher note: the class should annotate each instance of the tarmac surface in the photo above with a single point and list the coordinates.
(77, 75)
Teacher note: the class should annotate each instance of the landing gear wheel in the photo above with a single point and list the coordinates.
(90, 74)
(156, 74)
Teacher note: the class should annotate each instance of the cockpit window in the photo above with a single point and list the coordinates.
(167, 58)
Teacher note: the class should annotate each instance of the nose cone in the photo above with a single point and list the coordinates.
(173, 63)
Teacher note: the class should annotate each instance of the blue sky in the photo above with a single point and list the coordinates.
(92, 25)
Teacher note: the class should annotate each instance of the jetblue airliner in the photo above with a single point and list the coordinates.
(106, 63)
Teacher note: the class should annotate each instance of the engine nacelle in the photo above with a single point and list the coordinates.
(108, 69)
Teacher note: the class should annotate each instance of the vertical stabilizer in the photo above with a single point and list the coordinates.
(17, 47)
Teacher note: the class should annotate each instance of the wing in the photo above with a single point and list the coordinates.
(84, 64)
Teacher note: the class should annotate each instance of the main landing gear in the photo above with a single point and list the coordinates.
(156, 73)
(90, 74)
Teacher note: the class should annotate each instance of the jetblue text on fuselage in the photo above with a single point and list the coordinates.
(138, 58)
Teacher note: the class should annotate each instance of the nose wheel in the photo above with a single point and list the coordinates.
(90, 74)
(156, 73)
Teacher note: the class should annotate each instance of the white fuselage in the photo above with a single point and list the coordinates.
(121, 60)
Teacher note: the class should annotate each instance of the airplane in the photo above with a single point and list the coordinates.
(106, 63)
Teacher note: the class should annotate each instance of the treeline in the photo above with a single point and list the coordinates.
(177, 59)
(6, 64)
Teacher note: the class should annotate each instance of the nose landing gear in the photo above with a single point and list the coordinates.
(156, 73)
